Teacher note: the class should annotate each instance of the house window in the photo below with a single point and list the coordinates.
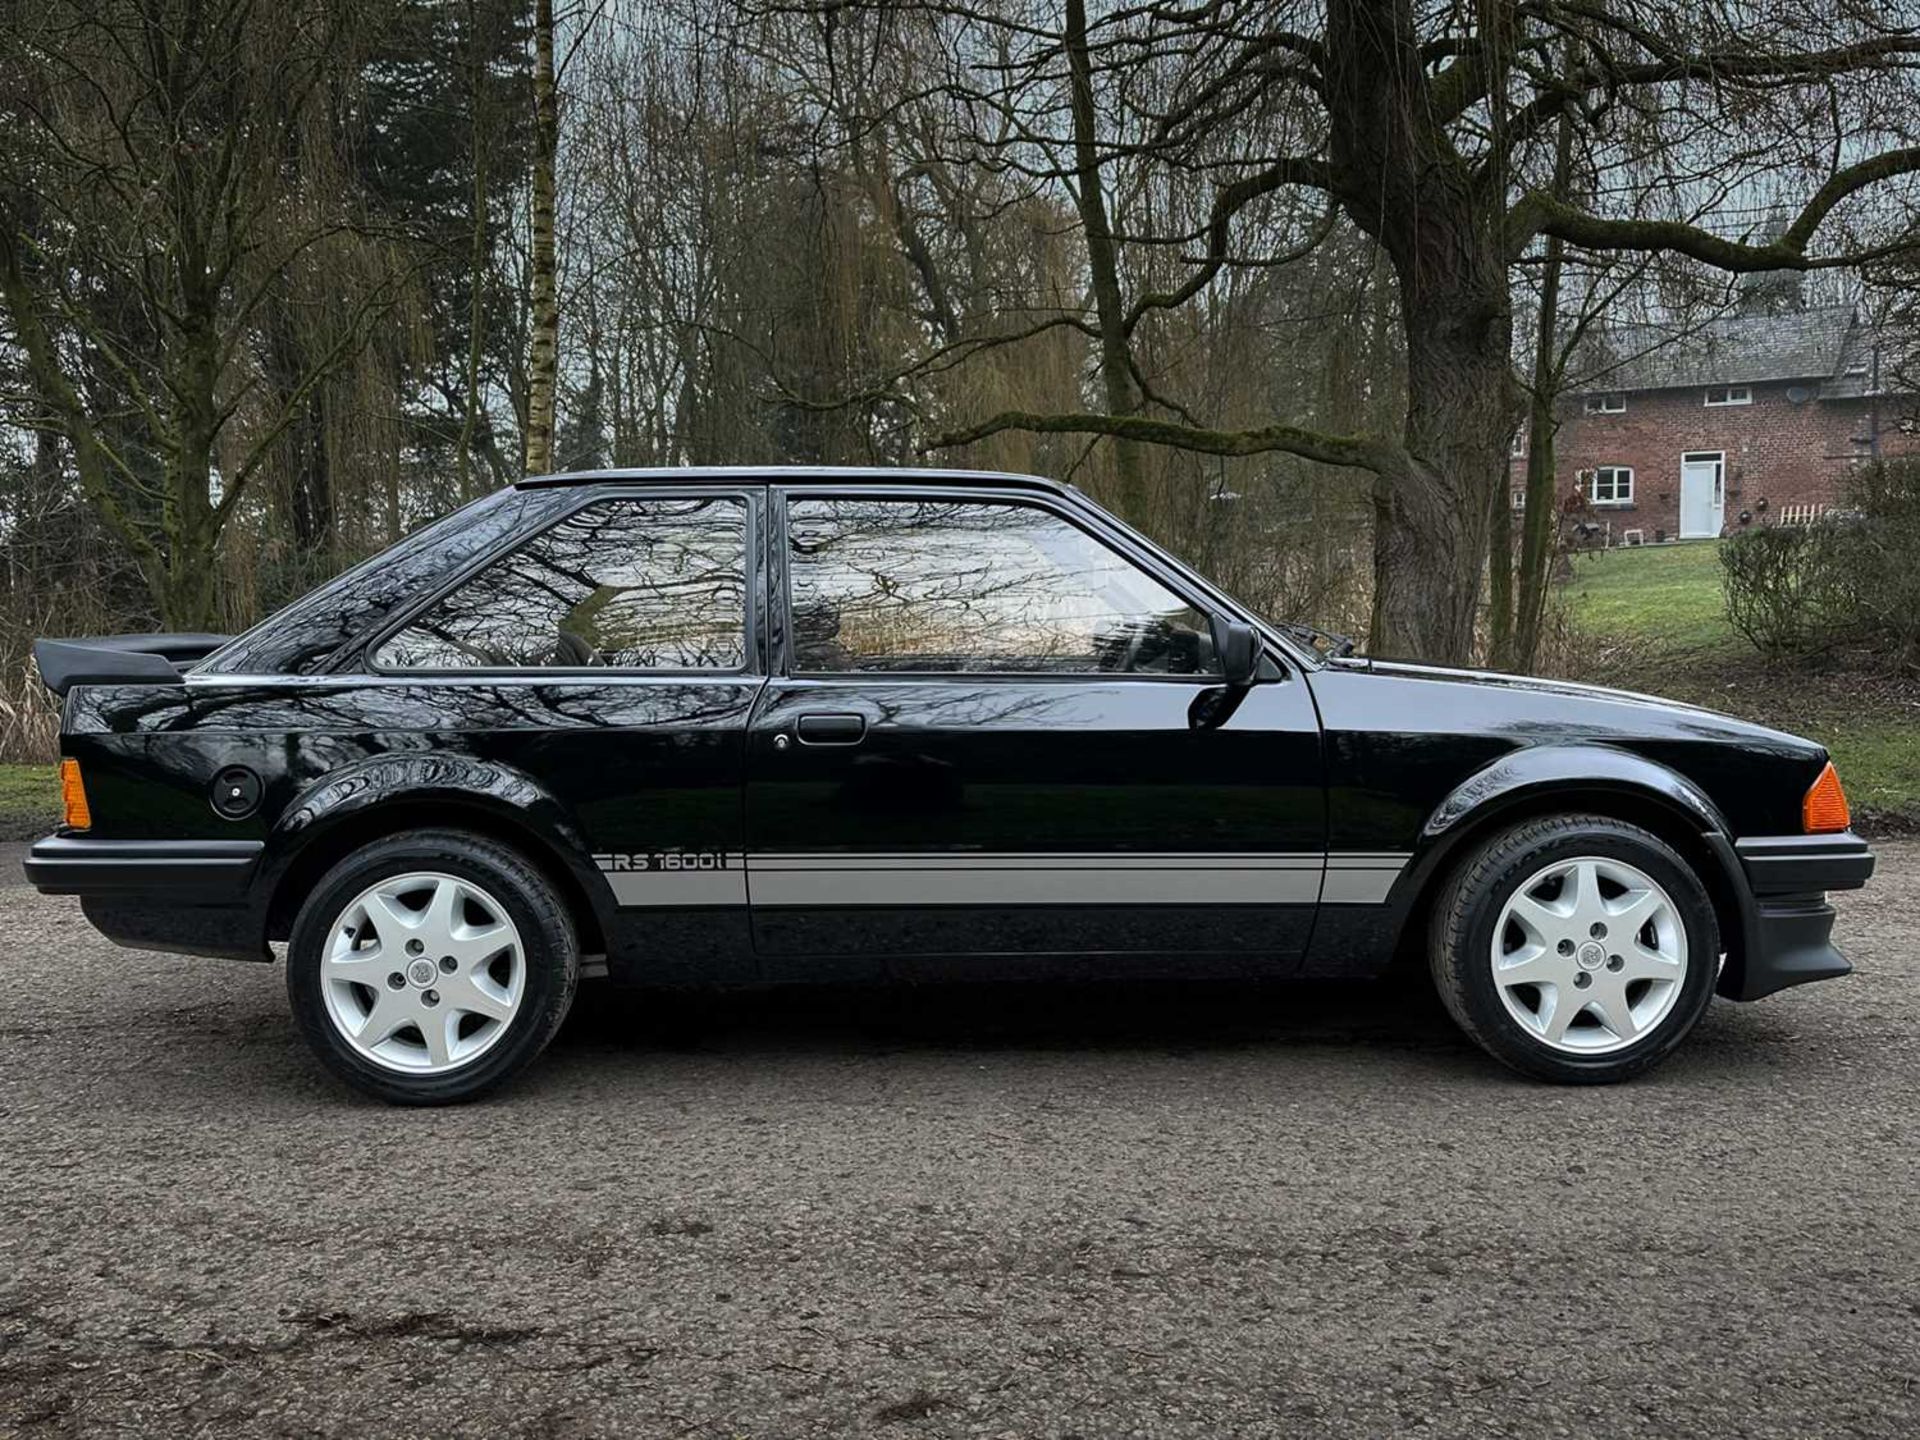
(1519, 447)
(1610, 404)
(1612, 485)
(1729, 395)
(1519, 502)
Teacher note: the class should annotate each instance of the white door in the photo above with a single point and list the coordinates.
(1703, 495)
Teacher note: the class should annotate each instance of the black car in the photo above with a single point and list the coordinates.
(751, 726)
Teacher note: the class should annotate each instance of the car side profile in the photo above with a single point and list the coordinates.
(751, 726)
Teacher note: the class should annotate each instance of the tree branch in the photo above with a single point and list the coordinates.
(1538, 213)
(1379, 456)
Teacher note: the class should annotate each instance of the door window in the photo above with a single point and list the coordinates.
(943, 587)
(633, 584)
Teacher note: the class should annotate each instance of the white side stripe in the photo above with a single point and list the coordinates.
(934, 878)
(1036, 885)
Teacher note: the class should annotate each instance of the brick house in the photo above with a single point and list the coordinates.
(1751, 419)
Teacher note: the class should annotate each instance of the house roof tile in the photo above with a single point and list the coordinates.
(1728, 350)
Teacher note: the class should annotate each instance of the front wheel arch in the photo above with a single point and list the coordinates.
(1652, 811)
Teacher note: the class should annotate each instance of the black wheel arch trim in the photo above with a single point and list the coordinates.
(1518, 781)
(1522, 782)
(500, 800)
(1775, 922)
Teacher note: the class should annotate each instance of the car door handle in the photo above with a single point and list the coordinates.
(831, 728)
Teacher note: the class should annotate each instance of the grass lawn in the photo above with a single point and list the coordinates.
(1668, 595)
(29, 801)
(1652, 619)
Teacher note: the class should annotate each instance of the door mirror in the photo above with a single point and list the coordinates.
(1238, 647)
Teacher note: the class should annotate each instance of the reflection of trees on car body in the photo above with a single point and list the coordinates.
(904, 585)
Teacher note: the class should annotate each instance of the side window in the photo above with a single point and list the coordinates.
(627, 584)
(960, 586)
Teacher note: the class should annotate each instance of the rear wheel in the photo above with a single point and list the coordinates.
(431, 967)
(1577, 949)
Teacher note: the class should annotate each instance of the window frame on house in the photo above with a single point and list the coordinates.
(1597, 404)
(1729, 395)
(1617, 500)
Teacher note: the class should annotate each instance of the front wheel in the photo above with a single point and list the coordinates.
(431, 967)
(1577, 949)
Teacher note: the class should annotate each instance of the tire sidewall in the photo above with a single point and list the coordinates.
(547, 943)
(1514, 861)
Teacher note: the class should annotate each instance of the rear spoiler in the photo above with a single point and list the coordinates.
(120, 659)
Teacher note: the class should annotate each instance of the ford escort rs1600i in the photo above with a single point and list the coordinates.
(759, 726)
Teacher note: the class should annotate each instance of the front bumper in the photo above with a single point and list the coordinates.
(191, 896)
(1786, 921)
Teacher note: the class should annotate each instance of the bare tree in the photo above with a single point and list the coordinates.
(1428, 127)
(162, 176)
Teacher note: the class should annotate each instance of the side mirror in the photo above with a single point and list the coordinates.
(1238, 647)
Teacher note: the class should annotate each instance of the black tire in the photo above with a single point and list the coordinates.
(1469, 904)
(551, 953)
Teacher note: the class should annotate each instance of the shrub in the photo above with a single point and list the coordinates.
(1853, 577)
(1880, 557)
(1787, 589)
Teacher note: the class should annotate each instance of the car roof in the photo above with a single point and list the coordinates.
(798, 474)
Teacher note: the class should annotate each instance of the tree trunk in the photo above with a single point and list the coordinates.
(1459, 415)
(1402, 181)
(1103, 268)
(1538, 527)
(477, 267)
(543, 356)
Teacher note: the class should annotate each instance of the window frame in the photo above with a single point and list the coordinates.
(753, 659)
(1745, 393)
(1618, 502)
(1596, 404)
(780, 587)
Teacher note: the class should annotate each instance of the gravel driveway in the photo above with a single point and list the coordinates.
(1019, 1213)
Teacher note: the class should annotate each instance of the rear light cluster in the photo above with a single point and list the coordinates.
(73, 798)
(1824, 810)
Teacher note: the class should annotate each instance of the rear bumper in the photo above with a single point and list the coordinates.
(190, 896)
(1787, 922)
(188, 871)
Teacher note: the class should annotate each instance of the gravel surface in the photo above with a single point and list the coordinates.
(1004, 1213)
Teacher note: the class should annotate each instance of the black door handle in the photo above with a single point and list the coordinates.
(831, 728)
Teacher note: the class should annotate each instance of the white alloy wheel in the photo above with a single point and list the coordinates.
(1589, 955)
(423, 973)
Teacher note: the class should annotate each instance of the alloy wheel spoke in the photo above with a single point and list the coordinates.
(1633, 912)
(1643, 963)
(387, 1015)
(1542, 921)
(1617, 1014)
(477, 997)
(1568, 1003)
(1531, 965)
(365, 967)
(442, 917)
(391, 921)
(436, 1028)
(1584, 882)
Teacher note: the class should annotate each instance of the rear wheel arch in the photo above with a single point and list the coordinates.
(332, 842)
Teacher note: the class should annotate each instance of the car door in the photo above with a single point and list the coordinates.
(607, 664)
(994, 727)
